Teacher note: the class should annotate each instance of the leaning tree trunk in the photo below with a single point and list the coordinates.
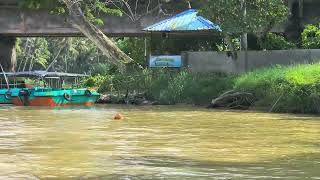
(105, 44)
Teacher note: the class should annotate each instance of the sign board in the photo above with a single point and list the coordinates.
(165, 61)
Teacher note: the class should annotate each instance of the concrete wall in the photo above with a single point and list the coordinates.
(221, 62)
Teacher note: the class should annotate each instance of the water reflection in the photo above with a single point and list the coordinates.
(156, 142)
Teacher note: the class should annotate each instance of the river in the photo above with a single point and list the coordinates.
(160, 142)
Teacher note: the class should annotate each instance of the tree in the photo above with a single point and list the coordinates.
(84, 15)
(106, 45)
(80, 15)
(32, 52)
(239, 17)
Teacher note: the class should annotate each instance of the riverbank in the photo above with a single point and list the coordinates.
(291, 89)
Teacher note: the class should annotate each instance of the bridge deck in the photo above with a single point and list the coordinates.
(14, 22)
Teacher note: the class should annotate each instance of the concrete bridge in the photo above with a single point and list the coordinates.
(15, 22)
(18, 23)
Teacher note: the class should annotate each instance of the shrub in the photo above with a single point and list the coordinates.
(169, 86)
(311, 37)
(203, 87)
(94, 81)
(276, 42)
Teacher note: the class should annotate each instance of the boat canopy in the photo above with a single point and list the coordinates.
(185, 21)
(45, 74)
(6, 73)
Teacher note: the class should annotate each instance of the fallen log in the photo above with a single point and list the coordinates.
(233, 100)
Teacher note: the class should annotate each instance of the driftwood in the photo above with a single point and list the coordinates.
(135, 99)
(233, 100)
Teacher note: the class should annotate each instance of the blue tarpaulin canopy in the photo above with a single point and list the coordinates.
(185, 21)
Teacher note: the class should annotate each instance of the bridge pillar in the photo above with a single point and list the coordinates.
(8, 57)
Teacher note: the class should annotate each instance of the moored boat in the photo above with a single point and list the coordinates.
(6, 95)
(52, 92)
(7, 87)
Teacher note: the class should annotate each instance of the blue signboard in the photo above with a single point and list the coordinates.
(165, 61)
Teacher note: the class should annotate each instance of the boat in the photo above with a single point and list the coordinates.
(7, 87)
(50, 90)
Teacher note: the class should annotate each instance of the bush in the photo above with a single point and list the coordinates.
(169, 86)
(94, 81)
(296, 87)
(311, 37)
(276, 42)
(203, 87)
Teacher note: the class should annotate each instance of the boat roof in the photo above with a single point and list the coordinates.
(45, 74)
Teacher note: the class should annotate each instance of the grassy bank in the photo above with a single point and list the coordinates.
(294, 89)
(166, 86)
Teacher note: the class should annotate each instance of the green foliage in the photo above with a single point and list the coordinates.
(203, 87)
(260, 14)
(174, 91)
(80, 55)
(33, 52)
(133, 47)
(100, 69)
(296, 87)
(273, 41)
(311, 37)
(94, 81)
(92, 9)
(224, 47)
(304, 74)
(38, 4)
(259, 81)
(169, 86)
(178, 44)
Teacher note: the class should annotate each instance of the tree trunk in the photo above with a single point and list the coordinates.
(8, 58)
(57, 55)
(244, 36)
(31, 63)
(230, 44)
(105, 44)
(27, 58)
(244, 47)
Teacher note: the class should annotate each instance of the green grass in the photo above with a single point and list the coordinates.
(303, 74)
(297, 87)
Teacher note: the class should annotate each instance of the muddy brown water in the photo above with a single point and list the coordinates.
(160, 142)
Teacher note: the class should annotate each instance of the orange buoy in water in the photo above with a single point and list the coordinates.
(118, 116)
